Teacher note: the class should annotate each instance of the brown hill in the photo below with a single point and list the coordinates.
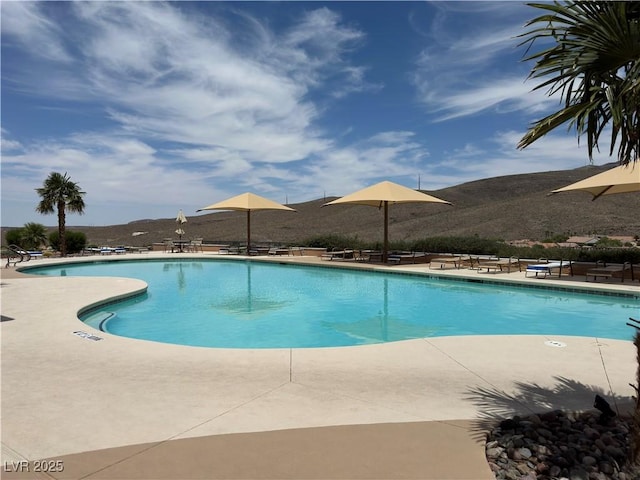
(510, 207)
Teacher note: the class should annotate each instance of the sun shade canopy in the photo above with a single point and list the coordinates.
(246, 202)
(381, 195)
(386, 191)
(621, 179)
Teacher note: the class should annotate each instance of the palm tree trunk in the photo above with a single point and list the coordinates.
(62, 229)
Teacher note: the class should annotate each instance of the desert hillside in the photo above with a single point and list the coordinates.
(510, 207)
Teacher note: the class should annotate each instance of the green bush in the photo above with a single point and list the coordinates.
(31, 236)
(333, 241)
(34, 236)
(14, 237)
(339, 242)
(608, 242)
(610, 255)
(76, 241)
(473, 245)
(484, 246)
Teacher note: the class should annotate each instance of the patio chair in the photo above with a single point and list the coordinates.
(168, 245)
(196, 245)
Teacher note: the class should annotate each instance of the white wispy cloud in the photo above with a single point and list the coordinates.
(462, 75)
(28, 25)
(186, 102)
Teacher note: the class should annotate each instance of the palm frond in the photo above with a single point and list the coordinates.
(594, 65)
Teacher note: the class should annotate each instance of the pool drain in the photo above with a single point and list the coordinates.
(555, 343)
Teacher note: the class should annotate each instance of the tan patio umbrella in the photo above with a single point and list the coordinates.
(381, 195)
(180, 220)
(621, 179)
(247, 202)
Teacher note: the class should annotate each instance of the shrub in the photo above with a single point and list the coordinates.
(14, 237)
(34, 235)
(610, 255)
(31, 236)
(76, 241)
(473, 245)
(333, 241)
(484, 246)
(608, 242)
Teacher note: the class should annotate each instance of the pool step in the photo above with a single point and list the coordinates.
(98, 320)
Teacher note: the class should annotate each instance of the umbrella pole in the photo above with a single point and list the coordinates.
(248, 232)
(385, 249)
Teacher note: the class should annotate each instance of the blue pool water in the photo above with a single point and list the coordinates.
(244, 304)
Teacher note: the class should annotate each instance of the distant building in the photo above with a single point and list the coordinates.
(589, 241)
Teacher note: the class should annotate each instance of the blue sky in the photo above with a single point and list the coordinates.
(153, 107)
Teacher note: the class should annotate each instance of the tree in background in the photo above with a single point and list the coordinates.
(32, 236)
(594, 63)
(59, 193)
(75, 241)
(14, 237)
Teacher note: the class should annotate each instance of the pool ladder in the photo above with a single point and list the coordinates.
(15, 255)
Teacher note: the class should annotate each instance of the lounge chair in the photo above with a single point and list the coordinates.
(406, 257)
(374, 256)
(337, 255)
(469, 261)
(279, 251)
(487, 265)
(496, 264)
(509, 263)
(609, 272)
(545, 269)
(445, 262)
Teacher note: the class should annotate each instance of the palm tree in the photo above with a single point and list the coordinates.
(33, 235)
(59, 192)
(594, 63)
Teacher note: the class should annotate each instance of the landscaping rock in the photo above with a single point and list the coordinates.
(559, 445)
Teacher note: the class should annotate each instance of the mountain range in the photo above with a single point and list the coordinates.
(510, 207)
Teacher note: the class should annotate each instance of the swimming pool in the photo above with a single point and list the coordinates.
(248, 304)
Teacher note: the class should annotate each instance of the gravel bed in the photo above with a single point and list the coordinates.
(561, 445)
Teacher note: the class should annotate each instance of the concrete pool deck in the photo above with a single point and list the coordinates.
(123, 408)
